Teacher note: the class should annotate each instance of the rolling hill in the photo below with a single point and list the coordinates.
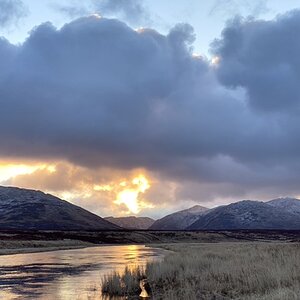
(247, 214)
(23, 209)
(131, 222)
(290, 205)
(179, 220)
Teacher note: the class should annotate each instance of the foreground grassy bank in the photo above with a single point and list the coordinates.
(247, 271)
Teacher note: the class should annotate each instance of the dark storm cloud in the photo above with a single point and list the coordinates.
(11, 11)
(263, 58)
(98, 93)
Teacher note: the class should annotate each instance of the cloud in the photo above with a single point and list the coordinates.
(99, 92)
(96, 189)
(11, 11)
(261, 57)
(234, 7)
(132, 11)
(74, 10)
(99, 95)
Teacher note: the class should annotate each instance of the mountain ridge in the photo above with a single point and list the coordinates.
(28, 209)
(179, 220)
(249, 214)
(287, 203)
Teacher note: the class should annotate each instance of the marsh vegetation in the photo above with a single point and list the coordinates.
(247, 271)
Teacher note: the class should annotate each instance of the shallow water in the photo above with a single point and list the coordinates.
(67, 274)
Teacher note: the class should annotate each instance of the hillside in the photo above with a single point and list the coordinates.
(179, 220)
(290, 205)
(248, 214)
(24, 209)
(131, 222)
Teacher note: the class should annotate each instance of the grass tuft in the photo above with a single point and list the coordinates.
(126, 284)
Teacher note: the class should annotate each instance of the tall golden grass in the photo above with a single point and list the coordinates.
(247, 271)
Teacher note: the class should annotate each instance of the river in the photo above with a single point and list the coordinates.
(67, 274)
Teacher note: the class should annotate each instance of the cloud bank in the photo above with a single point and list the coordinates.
(98, 94)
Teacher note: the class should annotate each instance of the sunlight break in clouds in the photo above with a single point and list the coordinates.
(125, 192)
(11, 170)
(130, 196)
(215, 60)
(102, 191)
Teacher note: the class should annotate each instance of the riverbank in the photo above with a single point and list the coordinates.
(68, 274)
(32, 246)
(223, 271)
(13, 242)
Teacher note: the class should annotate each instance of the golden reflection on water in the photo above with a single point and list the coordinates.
(67, 274)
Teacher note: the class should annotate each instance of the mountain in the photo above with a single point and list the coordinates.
(28, 209)
(291, 205)
(179, 220)
(248, 214)
(132, 222)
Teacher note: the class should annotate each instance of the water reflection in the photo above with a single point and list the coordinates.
(67, 274)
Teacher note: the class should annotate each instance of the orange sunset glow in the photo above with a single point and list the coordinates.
(9, 170)
(130, 195)
(80, 186)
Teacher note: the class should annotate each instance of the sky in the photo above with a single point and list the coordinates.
(143, 108)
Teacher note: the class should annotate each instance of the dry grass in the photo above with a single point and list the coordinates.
(126, 284)
(249, 271)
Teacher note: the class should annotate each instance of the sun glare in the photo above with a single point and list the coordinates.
(127, 193)
(129, 196)
(196, 56)
(96, 16)
(11, 170)
(140, 30)
(104, 188)
(215, 60)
